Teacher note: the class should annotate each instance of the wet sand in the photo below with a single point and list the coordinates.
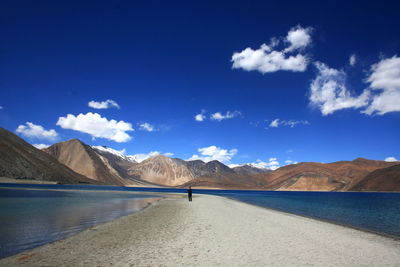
(214, 231)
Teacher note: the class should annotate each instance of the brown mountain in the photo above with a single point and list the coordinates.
(200, 168)
(162, 170)
(215, 174)
(309, 176)
(18, 159)
(386, 179)
(248, 169)
(228, 181)
(93, 163)
(177, 172)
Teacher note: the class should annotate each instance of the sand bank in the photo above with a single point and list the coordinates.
(214, 231)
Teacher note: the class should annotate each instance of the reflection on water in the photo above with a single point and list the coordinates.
(30, 218)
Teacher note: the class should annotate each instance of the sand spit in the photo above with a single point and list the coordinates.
(214, 231)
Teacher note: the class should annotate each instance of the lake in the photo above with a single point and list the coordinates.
(34, 217)
(30, 218)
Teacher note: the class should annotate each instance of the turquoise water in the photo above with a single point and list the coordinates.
(376, 212)
(30, 218)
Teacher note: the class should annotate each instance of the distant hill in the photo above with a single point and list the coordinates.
(97, 163)
(18, 159)
(248, 169)
(313, 176)
(386, 179)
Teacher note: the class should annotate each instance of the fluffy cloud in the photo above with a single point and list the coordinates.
(147, 127)
(391, 159)
(36, 131)
(266, 59)
(272, 164)
(1, 107)
(104, 104)
(352, 60)
(214, 153)
(385, 79)
(97, 126)
(298, 38)
(40, 146)
(142, 156)
(200, 116)
(291, 123)
(329, 92)
(218, 116)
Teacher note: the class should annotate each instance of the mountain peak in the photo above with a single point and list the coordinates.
(74, 140)
(106, 149)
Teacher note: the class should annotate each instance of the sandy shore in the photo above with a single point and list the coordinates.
(214, 231)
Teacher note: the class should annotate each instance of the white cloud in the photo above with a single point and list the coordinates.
(289, 161)
(1, 107)
(329, 92)
(274, 123)
(214, 153)
(143, 156)
(271, 164)
(352, 60)
(218, 116)
(391, 159)
(147, 127)
(40, 146)
(291, 123)
(385, 78)
(36, 131)
(104, 104)
(200, 116)
(266, 59)
(97, 126)
(298, 38)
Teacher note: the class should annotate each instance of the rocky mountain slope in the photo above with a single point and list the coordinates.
(386, 179)
(18, 159)
(162, 170)
(175, 172)
(96, 163)
(248, 169)
(309, 176)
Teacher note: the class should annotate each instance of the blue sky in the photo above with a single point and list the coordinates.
(274, 82)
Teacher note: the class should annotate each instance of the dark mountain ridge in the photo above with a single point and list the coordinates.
(18, 159)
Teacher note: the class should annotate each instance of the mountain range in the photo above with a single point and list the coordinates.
(75, 162)
(18, 159)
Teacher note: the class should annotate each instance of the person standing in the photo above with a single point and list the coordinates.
(190, 193)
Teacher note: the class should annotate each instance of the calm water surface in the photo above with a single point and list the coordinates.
(376, 212)
(30, 218)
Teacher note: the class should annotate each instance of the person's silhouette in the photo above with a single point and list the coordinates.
(190, 193)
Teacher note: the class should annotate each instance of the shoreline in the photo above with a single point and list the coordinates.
(28, 182)
(93, 191)
(212, 231)
(182, 195)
